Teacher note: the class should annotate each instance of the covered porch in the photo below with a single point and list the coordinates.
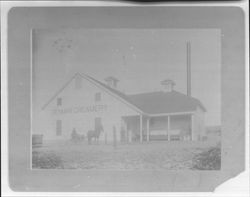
(158, 127)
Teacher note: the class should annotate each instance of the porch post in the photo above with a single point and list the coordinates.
(192, 127)
(168, 127)
(126, 130)
(141, 128)
(148, 119)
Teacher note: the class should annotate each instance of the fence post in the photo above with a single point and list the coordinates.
(114, 137)
(106, 138)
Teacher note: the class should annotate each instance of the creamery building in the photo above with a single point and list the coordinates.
(84, 103)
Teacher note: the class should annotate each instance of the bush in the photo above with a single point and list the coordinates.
(208, 160)
(46, 160)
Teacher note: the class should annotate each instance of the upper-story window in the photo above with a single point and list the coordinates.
(97, 96)
(59, 102)
(78, 82)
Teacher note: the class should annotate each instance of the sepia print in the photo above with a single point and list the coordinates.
(126, 99)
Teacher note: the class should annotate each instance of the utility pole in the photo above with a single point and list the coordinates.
(189, 69)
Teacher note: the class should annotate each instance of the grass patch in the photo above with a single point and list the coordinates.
(208, 160)
(46, 160)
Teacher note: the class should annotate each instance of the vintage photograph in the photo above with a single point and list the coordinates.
(126, 99)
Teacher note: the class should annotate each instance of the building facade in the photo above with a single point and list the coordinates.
(85, 103)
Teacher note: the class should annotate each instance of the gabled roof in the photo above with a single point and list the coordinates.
(151, 102)
(99, 84)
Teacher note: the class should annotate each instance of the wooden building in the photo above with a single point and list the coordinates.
(83, 103)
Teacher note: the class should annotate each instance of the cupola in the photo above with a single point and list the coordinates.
(168, 85)
(111, 82)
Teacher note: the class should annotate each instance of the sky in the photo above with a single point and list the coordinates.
(139, 58)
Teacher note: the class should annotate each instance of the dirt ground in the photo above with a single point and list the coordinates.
(149, 155)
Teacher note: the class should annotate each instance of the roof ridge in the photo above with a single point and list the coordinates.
(144, 93)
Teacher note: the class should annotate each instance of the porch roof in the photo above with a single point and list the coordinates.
(165, 102)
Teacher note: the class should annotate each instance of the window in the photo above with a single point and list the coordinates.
(78, 82)
(58, 127)
(97, 97)
(59, 101)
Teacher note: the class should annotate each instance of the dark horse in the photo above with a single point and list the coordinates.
(94, 134)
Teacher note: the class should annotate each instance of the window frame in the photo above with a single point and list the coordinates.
(98, 97)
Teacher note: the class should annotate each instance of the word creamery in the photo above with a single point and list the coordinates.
(88, 109)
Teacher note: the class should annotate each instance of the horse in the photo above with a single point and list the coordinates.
(94, 134)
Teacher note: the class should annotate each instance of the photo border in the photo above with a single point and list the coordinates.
(21, 20)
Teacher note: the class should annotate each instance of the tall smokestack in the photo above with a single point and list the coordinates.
(188, 69)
